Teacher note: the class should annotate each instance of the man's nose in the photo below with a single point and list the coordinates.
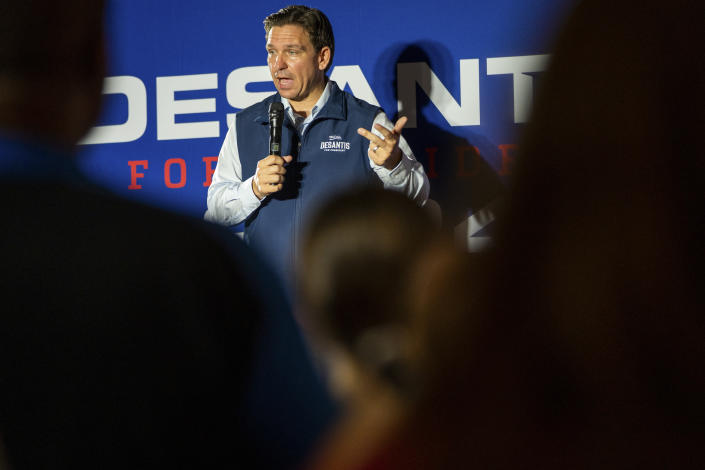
(279, 63)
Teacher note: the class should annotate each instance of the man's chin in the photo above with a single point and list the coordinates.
(287, 93)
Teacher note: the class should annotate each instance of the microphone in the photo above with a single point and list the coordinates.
(276, 116)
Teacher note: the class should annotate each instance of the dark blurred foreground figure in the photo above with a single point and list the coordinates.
(357, 259)
(587, 347)
(129, 338)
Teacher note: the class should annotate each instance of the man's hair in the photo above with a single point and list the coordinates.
(312, 20)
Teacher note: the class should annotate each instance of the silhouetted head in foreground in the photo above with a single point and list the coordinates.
(588, 349)
(357, 260)
(355, 267)
(117, 350)
(52, 64)
(601, 254)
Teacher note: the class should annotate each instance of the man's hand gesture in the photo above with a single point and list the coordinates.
(384, 151)
(269, 176)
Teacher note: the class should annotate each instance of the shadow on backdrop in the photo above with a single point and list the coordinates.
(462, 181)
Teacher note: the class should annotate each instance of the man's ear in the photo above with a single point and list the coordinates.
(323, 58)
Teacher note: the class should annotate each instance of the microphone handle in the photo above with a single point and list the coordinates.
(275, 138)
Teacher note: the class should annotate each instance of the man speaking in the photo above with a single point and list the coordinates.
(330, 140)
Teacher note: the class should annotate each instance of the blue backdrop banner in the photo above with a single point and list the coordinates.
(464, 73)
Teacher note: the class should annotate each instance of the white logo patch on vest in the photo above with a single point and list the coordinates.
(335, 143)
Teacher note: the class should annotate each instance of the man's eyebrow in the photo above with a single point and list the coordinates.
(287, 46)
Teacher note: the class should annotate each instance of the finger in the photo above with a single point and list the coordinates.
(400, 124)
(266, 161)
(270, 189)
(273, 160)
(273, 170)
(374, 140)
(277, 160)
(281, 161)
(271, 179)
(386, 133)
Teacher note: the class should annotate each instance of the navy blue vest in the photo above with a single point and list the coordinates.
(330, 156)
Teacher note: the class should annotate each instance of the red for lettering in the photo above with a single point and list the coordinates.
(507, 159)
(431, 153)
(209, 170)
(167, 173)
(475, 155)
(133, 172)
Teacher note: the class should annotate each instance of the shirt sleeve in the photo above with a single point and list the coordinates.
(230, 199)
(408, 176)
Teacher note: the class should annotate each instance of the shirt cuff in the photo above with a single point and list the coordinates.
(247, 196)
(397, 175)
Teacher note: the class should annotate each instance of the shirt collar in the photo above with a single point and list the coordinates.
(322, 100)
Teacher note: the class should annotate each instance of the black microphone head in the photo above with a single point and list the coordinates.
(276, 109)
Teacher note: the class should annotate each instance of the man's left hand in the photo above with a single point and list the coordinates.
(385, 151)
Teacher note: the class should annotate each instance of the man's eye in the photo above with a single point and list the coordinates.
(293, 52)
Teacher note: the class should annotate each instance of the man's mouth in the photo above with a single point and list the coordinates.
(285, 81)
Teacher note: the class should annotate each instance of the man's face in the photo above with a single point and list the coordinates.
(296, 68)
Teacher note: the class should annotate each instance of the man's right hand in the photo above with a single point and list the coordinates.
(269, 177)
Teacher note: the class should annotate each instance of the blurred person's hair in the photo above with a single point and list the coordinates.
(590, 347)
(354, 271)
(52, 64)
(443, 287)
(44, 38)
